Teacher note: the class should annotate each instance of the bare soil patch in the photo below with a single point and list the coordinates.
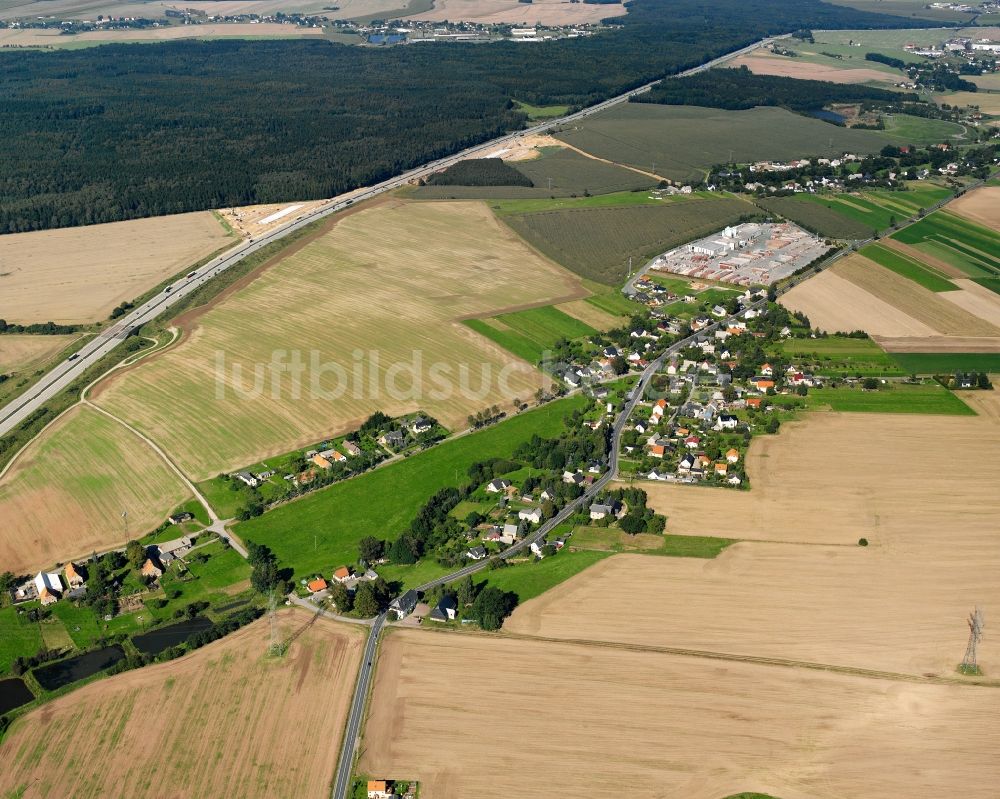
(253, 220)
(595, 719)
(976, 299)
(912, 298)
(762, 64)
(539, 12)
(834, 303)
(226, 720)
(524, 148)
(981, 205)
(74, 275)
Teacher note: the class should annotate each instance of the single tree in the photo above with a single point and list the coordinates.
(136, 554)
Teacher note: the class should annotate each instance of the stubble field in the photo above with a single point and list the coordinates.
(604, 721)
(762, 63)
(23, 353)
(76, 275)
(539, 12)
(65, 495)
(224, 721)
(981, 205)
(858, 294)
(383, 286)
(38, 37)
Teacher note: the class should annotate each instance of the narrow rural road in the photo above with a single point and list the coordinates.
(69, 370)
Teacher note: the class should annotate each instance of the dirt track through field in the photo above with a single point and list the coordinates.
(379, 293)
(224, 721)
(593, 720)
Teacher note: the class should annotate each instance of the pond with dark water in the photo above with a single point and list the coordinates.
(63, 672)
(160, 638)
(13, 693)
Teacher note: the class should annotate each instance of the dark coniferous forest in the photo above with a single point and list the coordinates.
(124, 131)
(738, 89)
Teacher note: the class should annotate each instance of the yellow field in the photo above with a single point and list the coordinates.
(37, 37)
(981, 205)
(764, 63)
(858, 294)
(25, 353)
(540, 717)
(987, 103)
(224, 721)
(386, 285)
(80, 274)
(539, 12)
(591, 314)
(64, 496)
(912, 298)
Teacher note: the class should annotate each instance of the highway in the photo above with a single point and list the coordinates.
(68, 371)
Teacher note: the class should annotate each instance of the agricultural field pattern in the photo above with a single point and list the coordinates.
(423, 399)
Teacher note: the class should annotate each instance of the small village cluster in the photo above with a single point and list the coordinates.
(71, 583)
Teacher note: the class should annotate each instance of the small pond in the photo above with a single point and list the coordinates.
(160, 638)
(63, 672)
(829, 116)
(13, 693)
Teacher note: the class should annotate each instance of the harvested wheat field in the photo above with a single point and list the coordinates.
(836, 477)
(850, 606)
(37, 37)
(938, 344)
(75, 275)
(912, 299)
(981, 205)
(593, 720)
(765, 64)
(539, 12)
(224, 721)
(591, 315)
(976, 299)
(372, 309)
(64, 495)
(834, 303)
(23, 353)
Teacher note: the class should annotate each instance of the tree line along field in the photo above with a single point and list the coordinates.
(65, 495)
(348, 116)
(530, 334)
(322, 530)
(382, 286)
(685, 141)
(597, 242)
(79, 275)
(175, 724)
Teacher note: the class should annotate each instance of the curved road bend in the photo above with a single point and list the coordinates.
(65, 373)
